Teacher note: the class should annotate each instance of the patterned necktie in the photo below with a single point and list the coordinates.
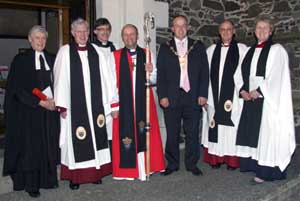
(183, 60)
(185, 77)
(181, 49)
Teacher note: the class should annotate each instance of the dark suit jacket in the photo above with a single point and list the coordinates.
(168, 72)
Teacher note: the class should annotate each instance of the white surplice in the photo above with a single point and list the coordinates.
(113, 95)
(226, 134)
(276, 142)
(62, 97)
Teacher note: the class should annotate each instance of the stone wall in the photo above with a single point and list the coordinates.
(205, 16)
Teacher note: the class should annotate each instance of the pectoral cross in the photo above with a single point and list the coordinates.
(133, 65)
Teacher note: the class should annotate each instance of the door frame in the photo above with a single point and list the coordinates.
(62, 10)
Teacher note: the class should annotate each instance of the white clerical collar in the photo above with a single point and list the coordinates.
(225, 45)
(38, 63)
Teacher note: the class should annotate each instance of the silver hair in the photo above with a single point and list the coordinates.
(37, 28)
(78, 22)
(267, 19)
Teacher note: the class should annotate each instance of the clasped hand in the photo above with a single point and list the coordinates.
(148, 67)
(48, 104)
(250, 96)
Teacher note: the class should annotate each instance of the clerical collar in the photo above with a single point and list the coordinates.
(81, 48)
(261, 45)
(102, 44)
(132, 52)
(38, 57)
(225, 44)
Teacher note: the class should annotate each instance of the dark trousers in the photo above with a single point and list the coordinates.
(184, 111)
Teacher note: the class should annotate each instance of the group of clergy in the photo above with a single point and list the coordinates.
(248, 120)
(85, 109)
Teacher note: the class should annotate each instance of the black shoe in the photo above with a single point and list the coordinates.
(98, 182)
(217, 166)
(74, 186)
(231, 168)
(168, 171)
(55, 186)
(34, 194)
(195, 171)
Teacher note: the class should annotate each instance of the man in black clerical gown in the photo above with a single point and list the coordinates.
(32, 124)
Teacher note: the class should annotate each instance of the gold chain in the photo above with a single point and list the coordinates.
(173, 50)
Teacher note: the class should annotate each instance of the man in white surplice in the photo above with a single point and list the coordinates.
(219, 122)
(82, 91)
(102, 30)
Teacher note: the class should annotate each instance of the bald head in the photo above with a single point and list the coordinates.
(130, 36)
(226, 31)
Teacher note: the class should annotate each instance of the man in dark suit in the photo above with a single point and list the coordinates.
(182, 87)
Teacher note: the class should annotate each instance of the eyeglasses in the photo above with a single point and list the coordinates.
(103, 29)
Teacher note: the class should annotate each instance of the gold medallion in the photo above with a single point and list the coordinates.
(212, 123)
(228, 105)
(181, 61)
(176, 53)
(126, 141)
(100, 120)
(80, 133)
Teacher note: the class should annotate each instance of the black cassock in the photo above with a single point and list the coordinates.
(32, 132)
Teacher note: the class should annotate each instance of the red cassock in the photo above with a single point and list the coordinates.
(211, 159)
(157, 162)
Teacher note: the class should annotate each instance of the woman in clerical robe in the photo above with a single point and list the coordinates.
(266, 136)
